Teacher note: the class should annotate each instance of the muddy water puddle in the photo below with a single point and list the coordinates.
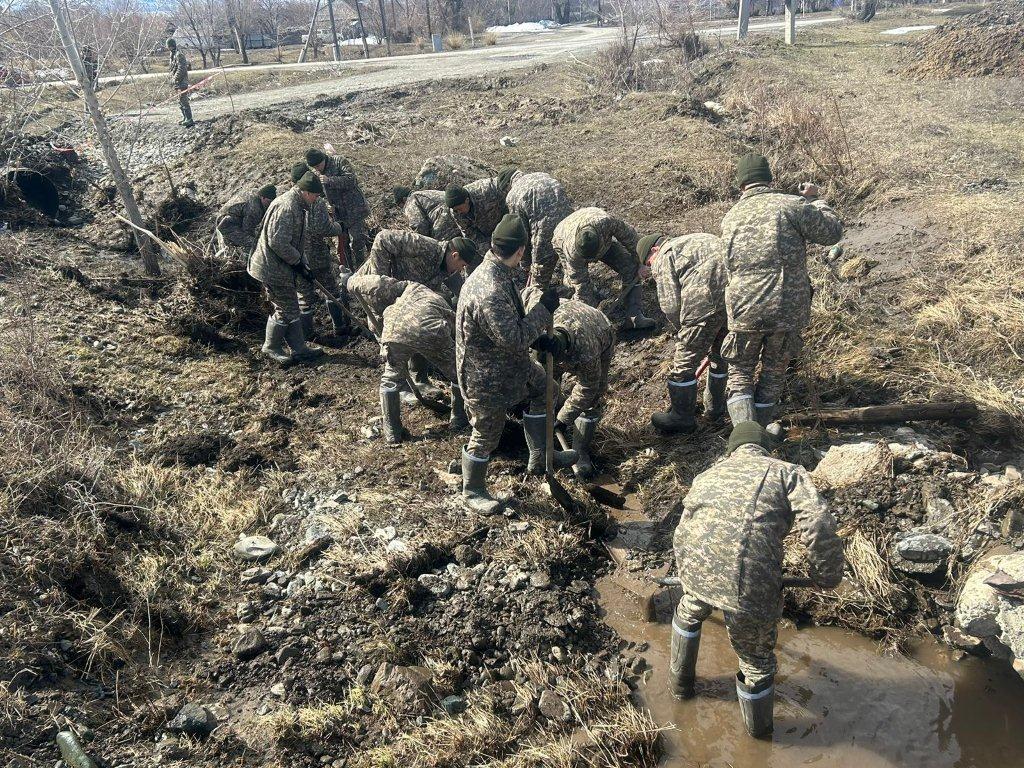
(839, 702)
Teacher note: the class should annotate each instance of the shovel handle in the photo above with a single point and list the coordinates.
(549, 403)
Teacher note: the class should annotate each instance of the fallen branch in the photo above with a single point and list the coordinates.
(957, 410)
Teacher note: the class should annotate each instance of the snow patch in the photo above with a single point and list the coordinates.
(908, 30)
(545, 25)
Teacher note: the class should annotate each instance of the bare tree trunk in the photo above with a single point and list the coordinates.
(430, 27)
(312, 33)
(384, 25)
(240, 42)
(362, 29)
(334, 31)
(99, 122)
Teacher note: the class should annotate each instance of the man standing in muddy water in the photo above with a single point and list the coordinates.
(768, 296)
(177, 65)
(493, 335)
(729, 550)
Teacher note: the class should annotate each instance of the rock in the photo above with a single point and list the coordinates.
(1011, 474)
(465, 555)
(247, 612)
(520, 527)
(439, 171)
(517, 580)
(453, 705)
(557, 654)
(255, 576)
(288, 652)
(540, 580)
(852, 463)
(278, 690)
(250, 645)
(387, 533)
(556, 619)
(255, 548)
(406, 686)
(365, 674)
(553, 706)
(924, 548)
(398, 546)
(960, 639)
(508, 141)
(436, 585)
(1013, 522)
(939, 512)
(979, 607)
(192, 720)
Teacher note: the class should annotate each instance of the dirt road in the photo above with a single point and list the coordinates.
(558, 45)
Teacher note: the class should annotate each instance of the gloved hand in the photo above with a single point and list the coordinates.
(553, 345)
(303, 270)
(550, 299)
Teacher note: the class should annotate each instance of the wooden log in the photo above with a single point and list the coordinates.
(956, 410)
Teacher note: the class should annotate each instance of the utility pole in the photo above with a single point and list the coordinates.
(334, 30)
(508, 7)
(741, 31)
(430, 27)
(384, 25)
(362, 29)
(790, 22)
(312, 31)
(124, 189)
(472, 39)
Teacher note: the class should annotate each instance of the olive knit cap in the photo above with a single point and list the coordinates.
(455, 195)
(748, 432)
(588, 242)
(646, 243)
(505, 177)
(310, 182)
(510, 235)
(314, 157)
(466, 249)
(171, 43)
(753, 168)
(269, 192)
(298, 171)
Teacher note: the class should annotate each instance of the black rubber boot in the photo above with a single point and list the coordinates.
(583, 430)
(535, 429)
(714, 394)
(680, 417)
(636, 319)
(419, 367)
(391, 414)
(296, 339)
(474, 488)
(458, 420)
(683, 661)
(339, 320)
(308, 325)
(757, 705)
(273, 346)
(764, 413)
(741, 408)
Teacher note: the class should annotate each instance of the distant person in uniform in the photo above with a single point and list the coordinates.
(177, 64)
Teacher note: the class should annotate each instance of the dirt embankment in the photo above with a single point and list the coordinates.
(987, 42)
(147, 435)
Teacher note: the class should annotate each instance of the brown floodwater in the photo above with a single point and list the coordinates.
(839, 702)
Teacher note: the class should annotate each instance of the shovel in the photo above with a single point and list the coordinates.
(554, 487)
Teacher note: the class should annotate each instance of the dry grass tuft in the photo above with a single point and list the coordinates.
(455, 40)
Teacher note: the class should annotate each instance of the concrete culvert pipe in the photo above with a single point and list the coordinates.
(36, 189)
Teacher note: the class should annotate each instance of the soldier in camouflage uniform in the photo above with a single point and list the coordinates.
(583, 344)
(239, 220)
(768, 297)
(477, 208)
(341, 187)
(729, 552)
(689, 274)
(493, 335)
(177, 65)
(542, 202)
(428, 214)
(321, 229)
(277, 262)
(592, 234)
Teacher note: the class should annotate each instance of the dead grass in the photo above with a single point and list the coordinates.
(455, 41)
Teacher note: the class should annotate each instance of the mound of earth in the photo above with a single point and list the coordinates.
(989, 42)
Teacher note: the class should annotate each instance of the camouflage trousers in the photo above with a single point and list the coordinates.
(284, 298)
(183, 102)
(309, 295)
(488, 422)
(618, 258)
(743, 350)
(752, 637)
(357, 241)
(585, 400)
(693, 343)
(397, 356)
(542, 253)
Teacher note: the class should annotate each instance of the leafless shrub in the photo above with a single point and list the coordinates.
(455, 40)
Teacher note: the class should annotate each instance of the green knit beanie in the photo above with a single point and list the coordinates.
(171, 43)
(310, 182)
(314, 157)
(455, 195)
(466, 249)
(510, 235)
(588, 242)
(753, 169)
(643, 247)
(298, 171)
(505, 178)
(748, 432)
(269, 192)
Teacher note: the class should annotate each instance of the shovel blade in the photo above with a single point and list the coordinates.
(557, 491)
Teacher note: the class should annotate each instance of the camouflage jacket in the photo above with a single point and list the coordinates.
(374, 294)
(407, 256)
(542, 202)
(342, 190)
(281, 241)
(427, 214)
(239, 219)
(486, 207)
(321, 230)
(591, 343)
(607, 226)
(729, 541)
(177, 66)
(690, 277)
(766, 235)
(493, 334)
(423, 321)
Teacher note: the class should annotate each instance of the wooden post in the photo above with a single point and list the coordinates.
(430, 27)
(124, 189)
(334, 30)
(790, 22)
(384, 25)
(956, 410)
(744, 23)
(472, 39)
(362, 29)
(312, 31)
